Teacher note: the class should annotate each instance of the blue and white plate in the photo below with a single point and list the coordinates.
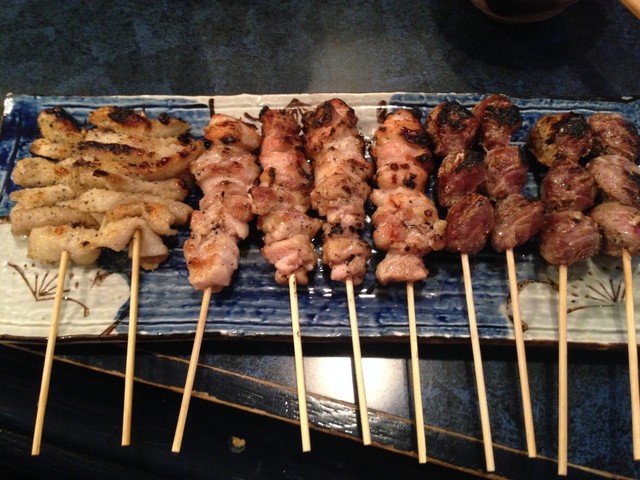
(96, 303)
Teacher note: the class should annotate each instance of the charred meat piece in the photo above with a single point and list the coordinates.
(618, 178)
(451, 128)
(620, 228)
(568, 186)
(517, 220)
(506, 171)
(568, 236)
(460, 174)
(128, 121)
(560, 137)
(614, 135)
(499, 119)
(469, 222)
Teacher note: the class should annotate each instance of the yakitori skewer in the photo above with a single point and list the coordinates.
(453, 130)
(517, 219)
(560, 141)
(105, 184)
(48, 357)
(281, 201)
(341, 172)
(406, 223)
(225, 173)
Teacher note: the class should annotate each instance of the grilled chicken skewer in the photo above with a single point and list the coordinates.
(406, 222)
(71, 209)
(225, 173)
(517, 219)
(559, 142)
(453, 130)
(281, 200)
(340, 190)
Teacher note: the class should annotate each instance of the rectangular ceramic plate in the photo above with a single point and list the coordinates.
(97, 299)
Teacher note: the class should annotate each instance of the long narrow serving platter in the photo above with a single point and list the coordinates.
(96, 303)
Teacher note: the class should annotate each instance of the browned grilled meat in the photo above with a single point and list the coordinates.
(506, 171)
(568, 236)
(460, 174)
(560, 137)
(469, 223)
(620, 228)
(614, 135)
(517, 220)
(451, 128)
(499, 119)
(568, 186)
(617, 178)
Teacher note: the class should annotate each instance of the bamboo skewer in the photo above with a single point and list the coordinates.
(191, 373)
(634, 7)
(633, 353)
(131, 339)
(357, 363)
(299, 365)
(48, 358)
(477, 362)
(415, 375)
(563, 404)
(521, 354)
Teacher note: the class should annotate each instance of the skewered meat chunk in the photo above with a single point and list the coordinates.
(128, 121)
(460, 174)
(498, 119)
(568, 236)
(58, 126)
(469, 223)
(406, 221)
(288, 230)
(560, 137)
(614, 135)
(451, 128)
(506, 171)
(47, 243)
(340, 189)
(568, 186)
(228, 166)
(24, 220)
(618, 178)
(620, 228)
(517, 220)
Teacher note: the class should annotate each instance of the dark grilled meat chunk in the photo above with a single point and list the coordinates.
(460, 174)
(568, 236)
(451, 128)
(620, 228)
(560, 137)
(469, 222)
(517, 220)
(618, 178)
(506, 171)
(499, 119)
(568, 186)
(614, 135)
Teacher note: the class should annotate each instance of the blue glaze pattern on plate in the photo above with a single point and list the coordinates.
(254, 306)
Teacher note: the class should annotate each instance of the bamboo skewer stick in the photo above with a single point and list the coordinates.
(415, 376)
(634, 7)
(357, 363)
(299, 365)
(477, 362)
(191, 373)
(521, 354)
(131, 339)
(48, 358)
(563, 404)
(633, 353)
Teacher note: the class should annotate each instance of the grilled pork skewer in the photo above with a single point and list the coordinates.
(516, 219)
(225, 173)
(340, 189)
(453, 129)
(406, 221)
(560, 141)
(281, 200)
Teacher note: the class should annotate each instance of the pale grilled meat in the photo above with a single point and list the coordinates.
(568, 236)
(129, 122)
(288, 230)
(498, 119)
(340, 190)
(614, 135)
(406, 221)
(47, 243)
(229, 165)
(451, 128)
(560, 137)
(617, 177)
